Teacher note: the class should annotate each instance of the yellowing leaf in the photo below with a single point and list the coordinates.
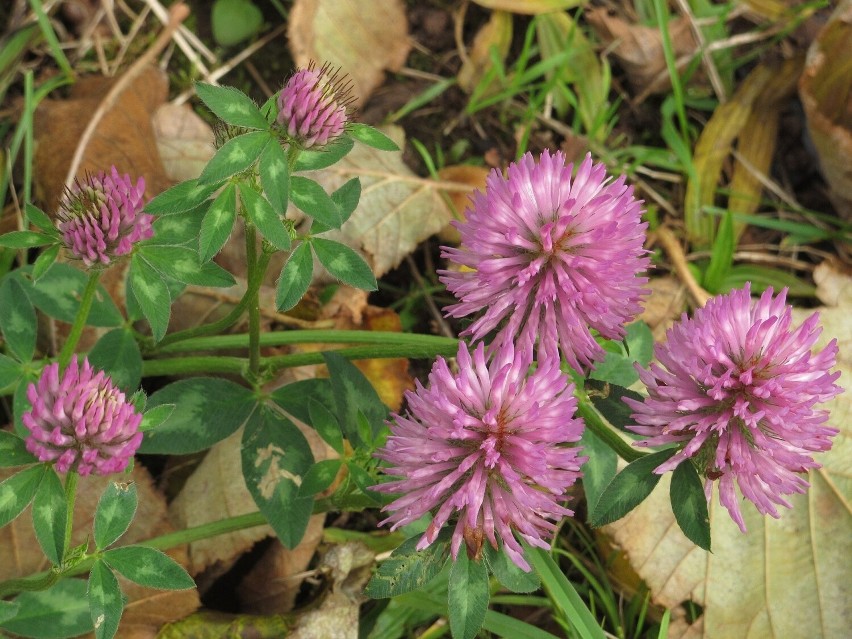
(363, 38)
(529, 7)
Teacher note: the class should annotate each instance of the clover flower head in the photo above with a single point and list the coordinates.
(487, 443)
(737, 388)
(549, 256)
(314, 105)
(81, 421)
(101, 218)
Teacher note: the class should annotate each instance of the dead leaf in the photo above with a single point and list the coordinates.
(397, 211)
(529, 7)
(472, 176)
(272, 585)
(785, 578)
(184, 140)
(496, 35)
(147, 609)
(824, 89)
(639, 49)
(363, 38)
(664, 305)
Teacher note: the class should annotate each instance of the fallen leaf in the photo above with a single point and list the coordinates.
(529, 7)
(496, 35)
(363, 38)
(639, 48)
(398, 209)
(469, 175)
(184, 140)
(664, 305)
(824, 89)
(785, 578)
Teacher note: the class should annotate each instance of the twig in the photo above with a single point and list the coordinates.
(184, 38)
(673, 249)
(709, 64)
(436, 314)
(177, 14)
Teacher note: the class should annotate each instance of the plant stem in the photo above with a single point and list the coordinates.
(238, 365)
(319, 336)
(70, 498)
(80, 320)
(231, 318)
(253, 304)
(595, 423)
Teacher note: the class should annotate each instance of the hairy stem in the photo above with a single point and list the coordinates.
(596, 424)
(80, 320)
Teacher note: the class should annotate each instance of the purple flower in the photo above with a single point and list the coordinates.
(737, 390)
(313, 106)
(487, 442)
(81, 421)
(101, 217)
(548, 257)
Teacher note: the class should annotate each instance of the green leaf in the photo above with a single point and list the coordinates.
(152, 295)
(762, 277)
(408, 569)
(608, 399)
(13, 451)
(218, 223)
(148, 567)
(326, 425)
(59, 291)
(179, 230)
(156, 416)
(229, 104)
(295, 277)
(275, 177)
(234, 21)
(17, 320)
(118, 354)
(319, 477)
(106, 602)
(45, 260)
(347, 197)
(722, 255)
(275, 458)
(344, 263)
(600, 468)
(182, 264)
(508, 574)
(267, 221)
(371, 137)
(629, 488)
(324, 158)
(18, 491)
(25, 240)
(50, 514)
(353, 393)
(59, 612)
(41, 220)
(10, 371)
(689, 504)
(206, 410)
(467, 596)
(8, 609)
(296, 398)
(20, 404)
(235, 156)
(564, 595)
(365, 482)
(181, 198)
(618, 367)
(309, 197)
(115, 511)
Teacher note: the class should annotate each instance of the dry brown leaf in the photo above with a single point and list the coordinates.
(184, 140)
(147, 609)
(664, 305)
(124, 137)
(495, 34)
(639, 49)
(272, 585)
(529, 7)
(825, 88)
(363, 38)
(785, 578)
(397, 211)
(472, 176)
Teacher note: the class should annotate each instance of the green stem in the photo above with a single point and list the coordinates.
(253, 304)
(252, 286)
(238, 365)
(80, 320)
(70, 498)
(596, 424)
(319, 336)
